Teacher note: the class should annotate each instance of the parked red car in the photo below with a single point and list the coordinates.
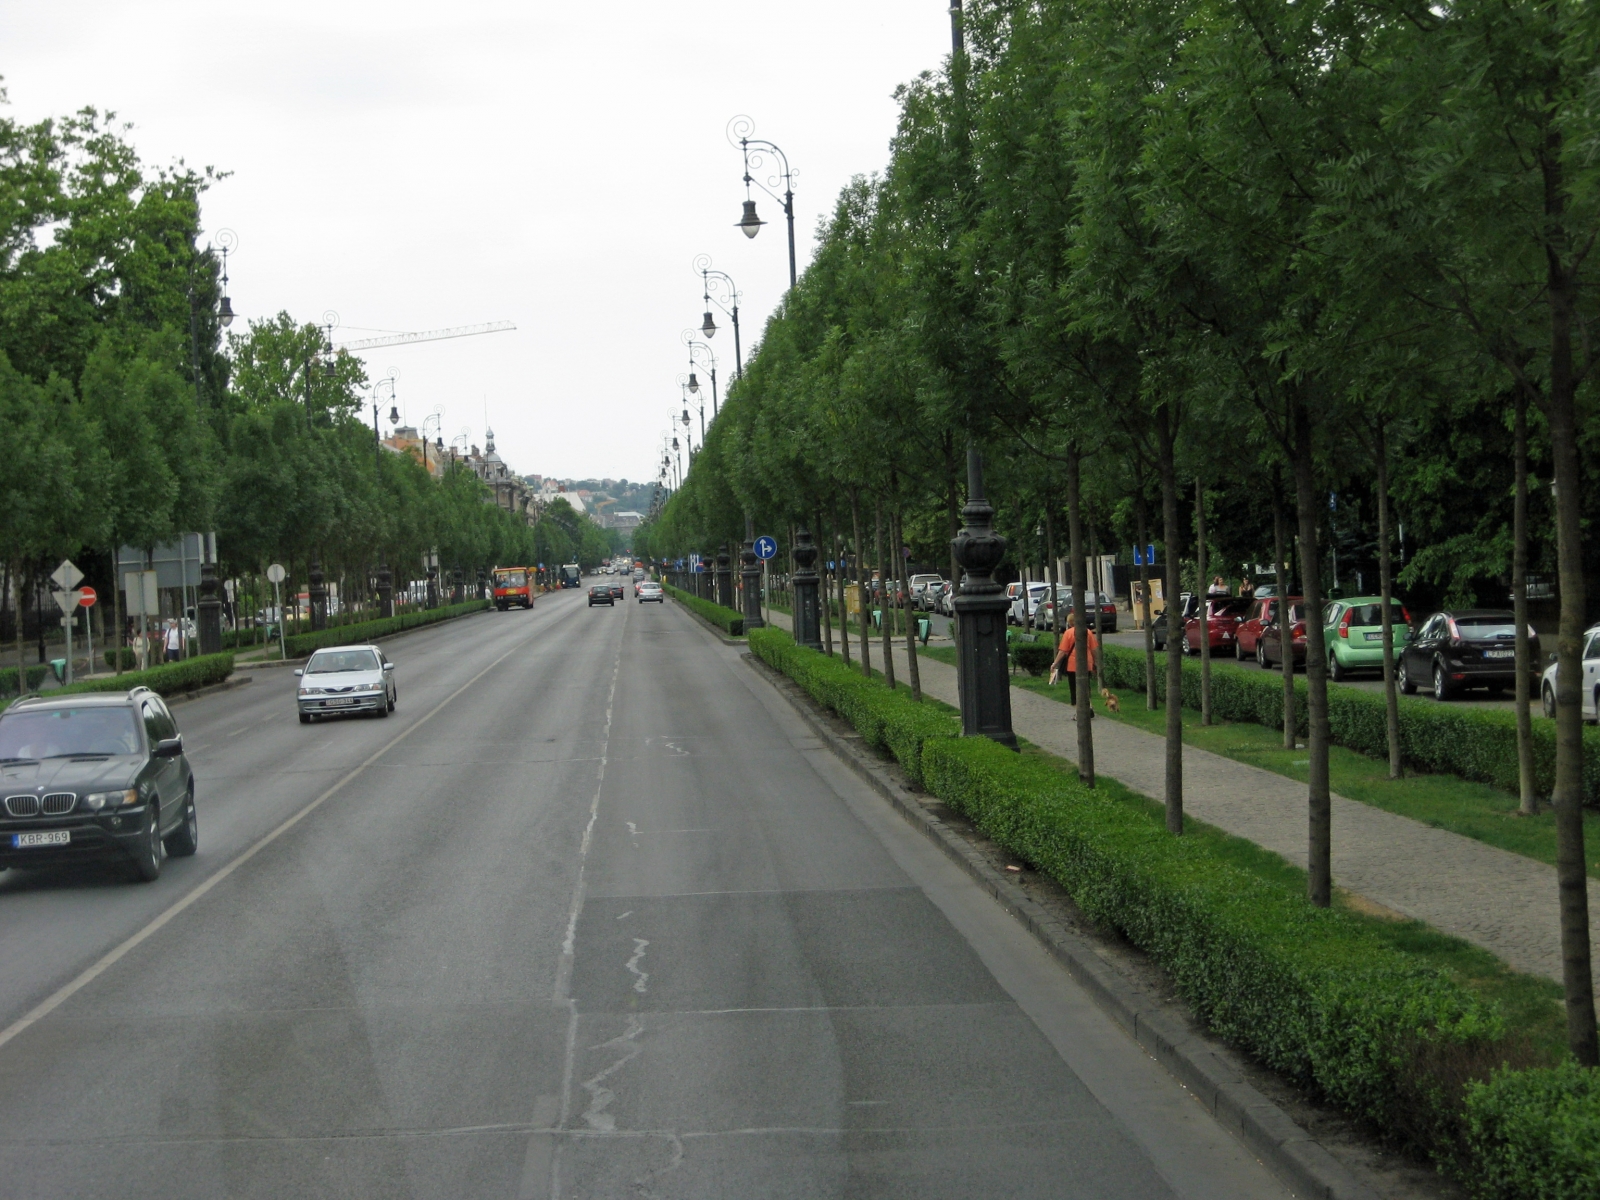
(1263, 612)
(1223, 616)
(1269, 646)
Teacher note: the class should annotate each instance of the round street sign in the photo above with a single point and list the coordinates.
(766, 547)
(275, 573)
(87, 597)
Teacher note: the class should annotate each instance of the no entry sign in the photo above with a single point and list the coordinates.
(86, 597)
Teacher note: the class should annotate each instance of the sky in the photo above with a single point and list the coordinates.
(415, 166)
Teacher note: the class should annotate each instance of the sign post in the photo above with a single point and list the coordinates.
(86, 600)
(67, 602)
(275, 573)
(766, 548)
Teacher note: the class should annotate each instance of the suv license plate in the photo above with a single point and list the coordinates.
(1499, 653)
(56, 837)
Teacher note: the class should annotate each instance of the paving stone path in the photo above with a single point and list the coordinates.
(1492, 898)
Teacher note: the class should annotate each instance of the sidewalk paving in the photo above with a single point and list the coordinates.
(1500, 901)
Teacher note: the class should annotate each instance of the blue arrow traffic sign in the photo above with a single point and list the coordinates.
(766, 548)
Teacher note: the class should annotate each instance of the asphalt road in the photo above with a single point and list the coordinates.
(592, 915)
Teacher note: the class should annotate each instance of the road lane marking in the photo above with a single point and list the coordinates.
(64, 993)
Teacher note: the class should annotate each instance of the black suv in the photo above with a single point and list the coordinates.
(101, 775)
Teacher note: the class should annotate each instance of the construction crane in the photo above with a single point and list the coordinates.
(431, 335)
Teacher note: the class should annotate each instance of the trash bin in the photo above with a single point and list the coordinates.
(59, 667)
(924, 628)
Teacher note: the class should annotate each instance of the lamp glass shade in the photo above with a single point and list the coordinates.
(694, 384)
(685, 417)
(674, 443)
(708, 326)
(225, 312)
(750, 223)
(394, 414)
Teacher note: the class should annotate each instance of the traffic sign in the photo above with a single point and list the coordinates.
(65, 601)
(766, 548)
(1145, 557)
(275, 573)
(87, 597)
(67, 576)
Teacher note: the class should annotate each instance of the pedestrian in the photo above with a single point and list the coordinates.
(174, 640)
(1066, 652)
(1218, 590)
(1247, 588)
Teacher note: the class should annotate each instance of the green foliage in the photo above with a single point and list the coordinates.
(1533, 1135)
(1451, 739)
(1034, 657)
(725, 619)
(166, 680)
(8, 679)
(300, 644)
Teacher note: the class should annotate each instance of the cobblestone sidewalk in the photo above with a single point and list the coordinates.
(1492, 898)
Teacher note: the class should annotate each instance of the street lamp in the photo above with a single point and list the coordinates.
(436, 419)
(394, 410)
(710, 362)
(755, 156)
(724, 284)
(226, 241)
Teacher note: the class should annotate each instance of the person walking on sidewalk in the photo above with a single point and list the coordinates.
(174, 640)
(1065, 652)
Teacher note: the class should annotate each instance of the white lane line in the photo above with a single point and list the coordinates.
(64, 993)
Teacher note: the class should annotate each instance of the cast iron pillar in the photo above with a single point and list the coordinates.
(319, 595)
(385, 589)
(807, 612)
(982, 679)
(210, 614)
(433, 585)
(724, 576)
(750, 573)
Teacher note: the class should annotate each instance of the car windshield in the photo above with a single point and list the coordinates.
(1372, 614)
(1488, 626)
(62, 732)
(510, 579)
(1230, 608)
(328, 662)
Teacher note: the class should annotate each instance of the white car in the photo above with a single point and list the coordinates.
(648, 590)
(346, 679)
(1591, 679)
(919, 584)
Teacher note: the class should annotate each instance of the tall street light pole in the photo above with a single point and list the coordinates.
(694, 383)
(723, 282)
(394, 412)
(756, 151)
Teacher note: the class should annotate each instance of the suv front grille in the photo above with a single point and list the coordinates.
(58, 803)
(22, 806)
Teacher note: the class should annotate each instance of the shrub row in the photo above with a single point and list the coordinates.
(726, 619)
(1451, 739)
(300, 644)
(166, 680)
(8, 678)
(1312, 992)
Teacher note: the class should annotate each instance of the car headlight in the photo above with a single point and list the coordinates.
(370, 688)
(95, 801)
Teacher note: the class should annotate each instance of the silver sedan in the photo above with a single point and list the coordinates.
(346, 679)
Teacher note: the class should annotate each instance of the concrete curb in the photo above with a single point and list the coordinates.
(1300, 1162)
(227, 685)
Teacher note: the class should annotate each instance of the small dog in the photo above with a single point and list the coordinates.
(1110, 697)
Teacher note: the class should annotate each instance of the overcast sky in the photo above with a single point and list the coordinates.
(417, 166)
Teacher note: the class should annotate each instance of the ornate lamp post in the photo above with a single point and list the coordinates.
(724, 576)
(980, 606)
(318, 594)
(714, 286)
(694, 383)
(210, 606)
(755, 157)
(394, 411)
(807, 609)
(750, 576)
(385, 587)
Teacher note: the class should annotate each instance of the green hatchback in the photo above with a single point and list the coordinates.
(1353, 631)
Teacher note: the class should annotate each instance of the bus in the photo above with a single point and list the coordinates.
(513, 585)
(571, 575)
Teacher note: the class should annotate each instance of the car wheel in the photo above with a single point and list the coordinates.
(1238, 650)
(1336, 668)
(1403, 678)
(1261, 654)
(1183, 647)
(1441, 685)
(394, 699)
(147, 859)
(305, 718)
(186, 839)
(383, 709)
(1547, 700)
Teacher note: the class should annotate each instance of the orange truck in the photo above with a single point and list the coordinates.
(513, 585)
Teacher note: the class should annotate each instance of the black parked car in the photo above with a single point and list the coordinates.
(94, 776)
(1464, 648)
(600, 593)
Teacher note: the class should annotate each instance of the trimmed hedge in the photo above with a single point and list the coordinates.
(8, 678)
(299, 645)
(726, 619)
(166, 680)
(1311, 992)
(1449, 739)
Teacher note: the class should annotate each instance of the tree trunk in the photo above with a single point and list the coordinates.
(884, 607)
(1567, 796)
(1527, 789)
(844, 614)
(16, 603)
(1319, 850)
(1079, 665)
(1097, 578)
(913, 675)
(1203, 588)
(1142, 524)
(1166, 436)
(1391, 693)
(861, 587)
(1281, 567)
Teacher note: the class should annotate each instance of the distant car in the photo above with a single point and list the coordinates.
(600, 593)
(98, 776)
(346, 679)
(1263, 611)
(1591, 679)
(649, 590)
(1464, 648)
(947, 600)
(1353, 631)
(617, 591)
(1222, 617)
(1269, 644)
(1188, 606)
(919, 585)
(1045, 615)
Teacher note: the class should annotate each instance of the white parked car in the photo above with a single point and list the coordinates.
(1591, 679)
(346, 679)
